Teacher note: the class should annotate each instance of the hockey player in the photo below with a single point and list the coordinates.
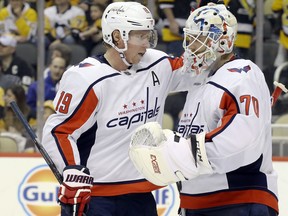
(222, 152)
(100, 102)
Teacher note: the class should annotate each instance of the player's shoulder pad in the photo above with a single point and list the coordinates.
(233, 73)
(156, 52)
(151, 58)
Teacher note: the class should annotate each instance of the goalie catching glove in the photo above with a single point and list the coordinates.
(74, 193)
(164, 157)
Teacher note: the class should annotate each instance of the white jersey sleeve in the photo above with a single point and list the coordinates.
(76, 104)
(244, 117)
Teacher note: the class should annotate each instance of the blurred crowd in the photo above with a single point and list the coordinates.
(78, 22)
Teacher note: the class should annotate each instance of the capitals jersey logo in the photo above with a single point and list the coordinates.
(135, 112)
(186, 125)
(239, 70)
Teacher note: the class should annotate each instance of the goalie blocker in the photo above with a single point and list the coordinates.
(164, 157)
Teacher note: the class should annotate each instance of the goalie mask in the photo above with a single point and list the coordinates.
(125, 17)
(209, 33)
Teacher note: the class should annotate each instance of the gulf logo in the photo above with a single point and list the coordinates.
(167, 200)
(37, 193)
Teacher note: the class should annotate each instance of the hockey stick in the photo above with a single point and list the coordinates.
(33, 136)
(277, 92)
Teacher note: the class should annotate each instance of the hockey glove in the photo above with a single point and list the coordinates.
(164, 157)
(74, 193)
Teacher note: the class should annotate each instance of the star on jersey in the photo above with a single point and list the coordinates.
(140, 113)
(125, 106)
(188, 115)
(239, 70)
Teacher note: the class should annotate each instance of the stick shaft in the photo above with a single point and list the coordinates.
(33, 136)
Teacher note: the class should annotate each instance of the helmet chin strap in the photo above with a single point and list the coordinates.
(122, 55)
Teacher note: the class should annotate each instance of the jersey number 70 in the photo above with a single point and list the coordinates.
(247, 99)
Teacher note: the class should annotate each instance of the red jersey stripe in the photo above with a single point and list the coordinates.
(229, 105)
(228, 198)
(77, 120)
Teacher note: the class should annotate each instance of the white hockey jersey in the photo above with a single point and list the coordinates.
(60, 24)
(98, 108)
(233, 106)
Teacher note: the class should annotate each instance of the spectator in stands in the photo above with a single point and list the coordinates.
(63, 23)
(15, 93)
(173, 14)
(13, 64)
(280, 9)
(48, 110)
(57, 67)
(20, 20)
(7, 80)
(85, 5)
(244, 11)
(12, 125)
(49, 3)
(93, 34)
(59, 50)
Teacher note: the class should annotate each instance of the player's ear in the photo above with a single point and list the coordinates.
(116, 37)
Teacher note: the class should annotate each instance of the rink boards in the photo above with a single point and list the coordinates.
(29, 188)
